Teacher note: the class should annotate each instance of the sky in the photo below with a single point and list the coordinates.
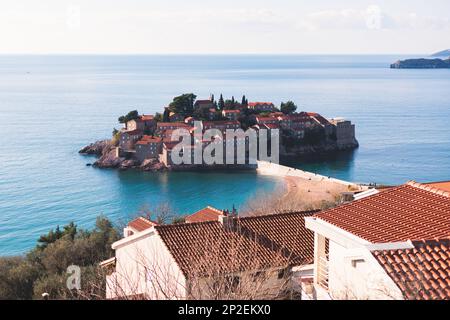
(224, 27)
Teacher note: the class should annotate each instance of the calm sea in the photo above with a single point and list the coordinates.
(51, 106)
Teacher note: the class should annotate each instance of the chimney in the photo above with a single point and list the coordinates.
(229, 223)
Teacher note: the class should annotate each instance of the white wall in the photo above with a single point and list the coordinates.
(355, 274)
(145, 266)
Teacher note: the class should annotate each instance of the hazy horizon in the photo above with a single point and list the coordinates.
(233, 27)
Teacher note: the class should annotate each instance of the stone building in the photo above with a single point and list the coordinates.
(148, 148)
(129, 138)
(144, 123)
(344, 131)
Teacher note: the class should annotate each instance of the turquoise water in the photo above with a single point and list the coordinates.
(51, 106)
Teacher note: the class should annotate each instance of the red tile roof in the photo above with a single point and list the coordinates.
(421, 273)
(251, 243)
(140, 224)
(203, 102)
(206, 214)
(266, 119)
(172, 124)
(444, 185)
(169, 145)
(231, 111)
(147, 117)
(221, 123)
(149, 140)
(319, 118)
(135, 132)
(409, 212)
(253, 104)
(271, 125)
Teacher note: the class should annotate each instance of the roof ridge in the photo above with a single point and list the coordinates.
(280, 214)
(184, 225)
(425, 187)
(146, 219)
(213, 209)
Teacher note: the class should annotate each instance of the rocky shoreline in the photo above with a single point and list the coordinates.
(105, 151)
(310, 150)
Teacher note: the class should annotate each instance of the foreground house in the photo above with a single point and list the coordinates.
(242, 258)
(390, 245)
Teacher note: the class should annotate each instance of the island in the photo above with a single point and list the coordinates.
(422, 64)
(145, 140)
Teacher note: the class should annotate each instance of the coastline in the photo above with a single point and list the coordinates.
(313, 192)
(310, 188)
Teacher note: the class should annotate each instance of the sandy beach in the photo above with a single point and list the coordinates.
(313, 192)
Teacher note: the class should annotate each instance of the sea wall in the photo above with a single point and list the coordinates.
(273, 169)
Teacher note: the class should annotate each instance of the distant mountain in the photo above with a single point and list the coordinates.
(444, 54)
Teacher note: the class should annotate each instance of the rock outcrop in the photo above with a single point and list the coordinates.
(107, 158)
(152, 165)
(324, 148)
(96, 148)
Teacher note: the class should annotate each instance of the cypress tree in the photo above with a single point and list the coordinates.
(221, 104)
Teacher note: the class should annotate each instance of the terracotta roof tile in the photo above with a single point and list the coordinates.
(172, 124)
(243, 244)
(254, 104)
(407, 212)
(424, 277)
(149, 139)
(206, 214)
(231, 111)
(133, 132)
(147, 117)
(140, 224)
(221, 123)
(444, 185)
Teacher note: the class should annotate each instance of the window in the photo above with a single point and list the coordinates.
(355, 262)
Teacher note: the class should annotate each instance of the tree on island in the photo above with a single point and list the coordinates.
(288, 107)
(183, 104)
(158, 117)
(244, 101)
(201, 113)
(230, 104)
(166, 115)
(132, 115)
(221, 104)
